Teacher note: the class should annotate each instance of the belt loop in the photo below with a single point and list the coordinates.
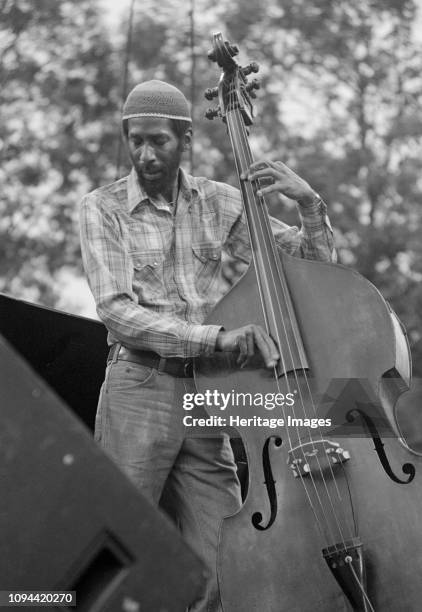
(188, 368)
(162, 364)
(116, 352)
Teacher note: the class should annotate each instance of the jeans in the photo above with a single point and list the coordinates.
(139, 423)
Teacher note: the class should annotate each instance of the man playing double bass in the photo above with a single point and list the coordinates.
(152, 244)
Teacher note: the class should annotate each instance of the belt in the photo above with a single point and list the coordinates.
(175, 366)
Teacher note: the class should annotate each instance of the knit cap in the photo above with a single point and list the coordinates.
(156, 99)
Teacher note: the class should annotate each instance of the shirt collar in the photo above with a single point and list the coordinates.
(136, 195)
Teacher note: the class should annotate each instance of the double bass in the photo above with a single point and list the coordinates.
(332, 514)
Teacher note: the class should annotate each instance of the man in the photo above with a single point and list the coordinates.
(151, 245)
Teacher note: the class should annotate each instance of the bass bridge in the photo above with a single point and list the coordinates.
(311, 457)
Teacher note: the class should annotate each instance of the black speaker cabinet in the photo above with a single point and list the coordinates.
(69, 519)
(68, 352)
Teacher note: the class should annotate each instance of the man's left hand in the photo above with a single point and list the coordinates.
(283, 180)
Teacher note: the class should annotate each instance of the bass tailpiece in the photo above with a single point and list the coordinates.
(346, 563)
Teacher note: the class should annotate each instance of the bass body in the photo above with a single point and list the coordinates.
(332, 515)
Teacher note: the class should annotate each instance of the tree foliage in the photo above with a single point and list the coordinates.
(58, 101)
(340, 103)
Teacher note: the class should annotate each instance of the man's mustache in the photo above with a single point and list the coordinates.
(151, 168)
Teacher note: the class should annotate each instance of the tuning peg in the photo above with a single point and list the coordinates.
(252, 67)
(211, 92)
(254, 84)
(211, 113)
(232, 49)
(211, 55)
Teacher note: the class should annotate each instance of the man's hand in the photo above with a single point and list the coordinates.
(283, 180)
(245, 340)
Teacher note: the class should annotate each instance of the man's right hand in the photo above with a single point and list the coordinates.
(247, 340)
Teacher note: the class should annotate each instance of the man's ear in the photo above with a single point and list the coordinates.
(187, 139)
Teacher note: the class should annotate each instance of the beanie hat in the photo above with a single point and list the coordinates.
(156, 99)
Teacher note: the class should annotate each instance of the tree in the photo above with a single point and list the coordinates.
(58, 102)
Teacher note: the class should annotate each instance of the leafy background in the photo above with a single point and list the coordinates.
(340, 103)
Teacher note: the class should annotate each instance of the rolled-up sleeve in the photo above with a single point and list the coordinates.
(314, 239)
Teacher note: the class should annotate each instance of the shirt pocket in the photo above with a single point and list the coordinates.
(148, 274)
(207, 264)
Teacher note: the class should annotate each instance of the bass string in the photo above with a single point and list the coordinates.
(245, 149)
(269, 243)
(294, 451)
(250, 220)
(318, 432)
(234, 132)
(240, 136)
(301, 450)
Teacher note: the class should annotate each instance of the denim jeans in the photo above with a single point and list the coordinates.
(139, 423)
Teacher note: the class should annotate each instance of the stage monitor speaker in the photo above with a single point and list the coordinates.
(69, 352)
(70, 520)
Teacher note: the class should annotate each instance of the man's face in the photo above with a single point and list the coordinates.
(155, 152)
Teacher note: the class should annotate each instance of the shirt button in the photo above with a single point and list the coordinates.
(155, 263)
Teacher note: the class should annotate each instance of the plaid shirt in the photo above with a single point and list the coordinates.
(155, 276)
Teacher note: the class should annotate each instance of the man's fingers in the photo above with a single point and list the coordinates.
(276, 177)
(266, 347)
(243, 350)
(246, 340)
(275, 187)
(250, 343)
(263, 174)
(249, 347)
(260, 165)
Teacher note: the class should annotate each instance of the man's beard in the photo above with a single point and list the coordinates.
(164, 182)
(156, 186)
